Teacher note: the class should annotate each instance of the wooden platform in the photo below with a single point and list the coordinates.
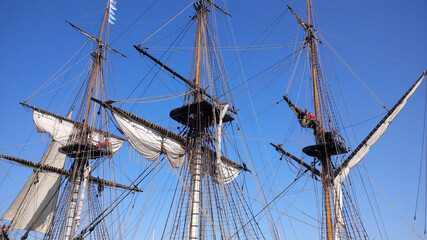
(188, 114)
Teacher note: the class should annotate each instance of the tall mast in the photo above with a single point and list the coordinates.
(319, 132)
(196, 157)
(81, 163)
(313, 66)
(200, 24)
(208, 209)
(329, 142)
(97, 63)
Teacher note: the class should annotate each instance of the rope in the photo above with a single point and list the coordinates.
(50, 80)
(267, 205)
(7, 173)
(391, 203)
(376, 52)
(1, 149)
(133, 23)
(421, 162)
(166, 98)
(164, 25)
(355, 75)
(232, 48)
(200, 207)
(277, 210)
(117, 201)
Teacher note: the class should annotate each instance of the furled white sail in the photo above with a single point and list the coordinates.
(222, 172)
(361, 152)
(150, 143)
(61, 130)
(33, 209)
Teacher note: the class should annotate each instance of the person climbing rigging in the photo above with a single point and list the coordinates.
(4, 235)
(305, 119)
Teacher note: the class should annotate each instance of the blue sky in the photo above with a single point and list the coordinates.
(382, 41)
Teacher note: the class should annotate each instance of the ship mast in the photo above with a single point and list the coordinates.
(319, 132)
(328, 142)
(313, 54)
(203, 116)
(196, 161)
(81, 166)
(97, 62)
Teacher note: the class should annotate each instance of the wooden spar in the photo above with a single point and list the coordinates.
(186, 81)
(391, 111)
(313, 64)
(36, 166)
(199, 47)
(96, 40)
(297, 160)
(97, 62)
(157, 61)
(61, 171)
(325, 160)
(222, 10)
(77, 124)
(164, 131)
(308, 12)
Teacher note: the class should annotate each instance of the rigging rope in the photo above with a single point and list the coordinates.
(376, 52)
(166, 98)
(50, 80)
(164, 25)
(268, 205)
(133, 23)
(117, 201)
(391, 203)
(7, 173)
(200, 207)
(355, 75)
(421, 165)
(232, 48)
(290, 205)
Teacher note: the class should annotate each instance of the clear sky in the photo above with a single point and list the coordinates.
(383, 42)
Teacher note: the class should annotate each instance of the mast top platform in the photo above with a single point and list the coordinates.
(85, 151)
(187, 114)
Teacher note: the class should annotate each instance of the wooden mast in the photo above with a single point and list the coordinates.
(319, 132)
(196, 157)
(97, 63)
(313, 67)
(81, 166)
(199, 44)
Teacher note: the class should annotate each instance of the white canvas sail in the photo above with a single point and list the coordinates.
(33, 209)
(150, 143)
(61, 130)
(222, 172)
(361, 152)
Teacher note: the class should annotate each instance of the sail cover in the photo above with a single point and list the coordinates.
(150, 143)
(61, 129)
(33, 209)
(360, 152)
